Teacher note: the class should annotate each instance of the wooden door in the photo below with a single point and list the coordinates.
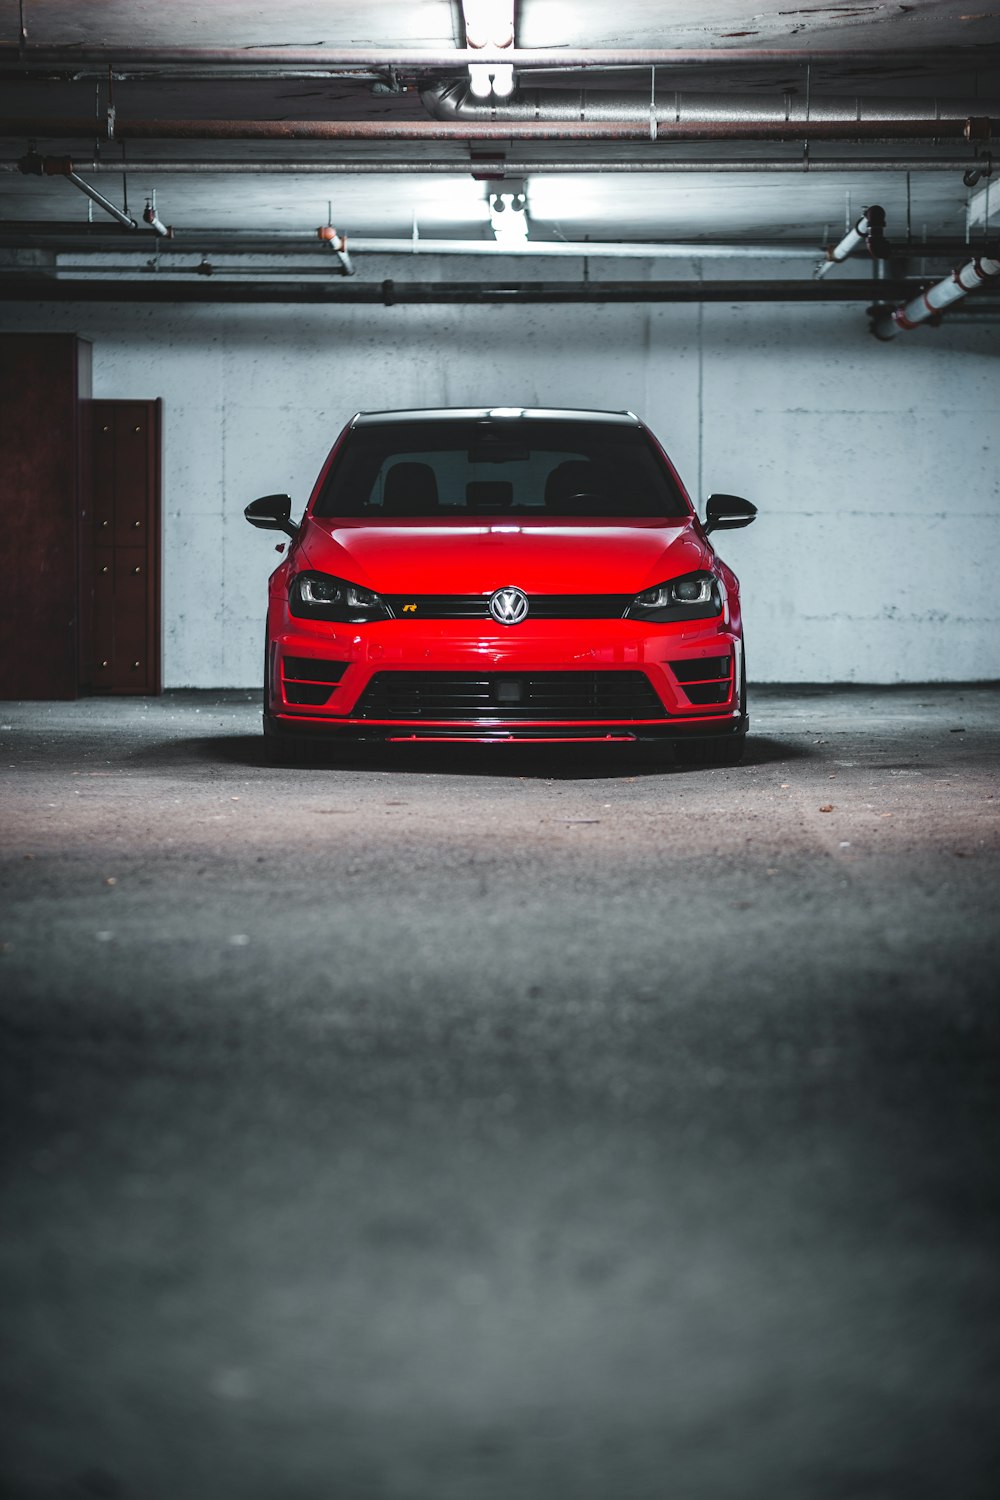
(44, 391)
(121, 550)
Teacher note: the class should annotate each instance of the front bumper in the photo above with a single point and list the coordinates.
(342, 673)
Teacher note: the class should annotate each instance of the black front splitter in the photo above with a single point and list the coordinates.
(494, 734)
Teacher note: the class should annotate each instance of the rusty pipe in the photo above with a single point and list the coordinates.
(656, 161)
(973, 128)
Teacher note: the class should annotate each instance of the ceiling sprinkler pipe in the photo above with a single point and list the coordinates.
(327, 235)
(152, 218)
(869, 230)
(930, 304)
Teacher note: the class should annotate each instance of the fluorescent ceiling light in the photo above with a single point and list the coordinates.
(489, 26)
(509, 218)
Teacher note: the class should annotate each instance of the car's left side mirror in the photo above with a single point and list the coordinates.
(728, 513)
(271, 513)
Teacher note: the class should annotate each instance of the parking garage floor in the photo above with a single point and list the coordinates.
(493, 1124)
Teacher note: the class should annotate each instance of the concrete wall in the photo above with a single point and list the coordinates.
(874, 466)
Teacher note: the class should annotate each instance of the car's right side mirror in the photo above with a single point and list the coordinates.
(728, 513)
(271, 513)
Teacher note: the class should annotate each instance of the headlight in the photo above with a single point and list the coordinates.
(696, 596)
(318, 596)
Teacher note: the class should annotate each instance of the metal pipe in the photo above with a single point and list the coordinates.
(96, 239)
(453, 101)
(46, 128)
(658, 163)
(193, 244)
(126, 220)
(929, 304)
(456, 59)
(869, 230)
(151, 287)
(589, 249)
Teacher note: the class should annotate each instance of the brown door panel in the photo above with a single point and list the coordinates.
(103, 494)
(132, 473)
(125, 580)
(131, 619)
(100, 666)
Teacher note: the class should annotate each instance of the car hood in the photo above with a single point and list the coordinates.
(431, 558)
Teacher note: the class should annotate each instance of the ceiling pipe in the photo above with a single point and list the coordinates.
(869, 231)
(456, 59)
(931, 303)
(126, 220)
(152, 218)
(454, 101)
(96, 239)
(410, 167)
(589, 249)
(61, 166)
(29, 285)
(195, 244)
(974, 128)
(328, 236)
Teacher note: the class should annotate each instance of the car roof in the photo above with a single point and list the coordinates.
(479, 413)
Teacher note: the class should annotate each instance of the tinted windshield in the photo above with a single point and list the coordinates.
(499, 467)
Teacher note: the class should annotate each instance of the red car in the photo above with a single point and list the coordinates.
(503, 575)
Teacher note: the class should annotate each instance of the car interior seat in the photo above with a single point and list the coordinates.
(410, 490)
(577, 476)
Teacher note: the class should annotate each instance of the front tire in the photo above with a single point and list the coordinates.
(720, 752)
(282, 749)
(726, 751)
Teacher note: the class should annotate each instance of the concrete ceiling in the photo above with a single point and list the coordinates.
(924, 51)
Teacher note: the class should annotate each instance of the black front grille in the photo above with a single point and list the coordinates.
(308, 680)
(504, 696)
(476, 606)
(705, 679)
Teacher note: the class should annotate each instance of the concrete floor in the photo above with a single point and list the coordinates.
(499, 1126)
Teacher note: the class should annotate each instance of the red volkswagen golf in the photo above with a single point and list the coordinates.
(498, 576)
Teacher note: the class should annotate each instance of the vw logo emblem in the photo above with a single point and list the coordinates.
(508, 606)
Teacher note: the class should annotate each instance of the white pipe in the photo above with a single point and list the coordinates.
(870, 227)
(156, 224)
(968, 278)
(590, 249)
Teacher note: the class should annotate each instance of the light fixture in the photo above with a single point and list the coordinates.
(509, 218)
(489, 27)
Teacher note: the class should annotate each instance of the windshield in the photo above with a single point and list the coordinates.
(499, 467)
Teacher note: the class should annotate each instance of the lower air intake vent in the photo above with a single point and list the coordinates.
(311, 669)
(503, 696)
(705, 679)
(308, 680)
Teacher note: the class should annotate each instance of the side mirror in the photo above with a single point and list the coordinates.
(728, 513)
(271, 513)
